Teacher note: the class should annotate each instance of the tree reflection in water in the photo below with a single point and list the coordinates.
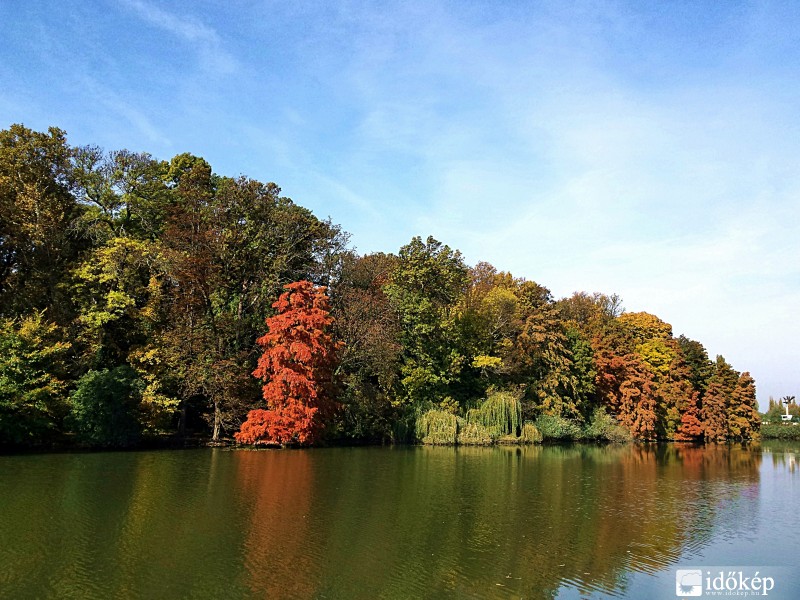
(478, 522)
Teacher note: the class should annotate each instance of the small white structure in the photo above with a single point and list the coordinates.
(788, 400)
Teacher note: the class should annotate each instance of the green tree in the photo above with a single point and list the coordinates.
(117, 290)
(104, 407)
(32, 380)
(725, 374)
(700, 367)
(370, 360)
(37, 210)
(191, 277)
(487, 322)
(541, 359)
(126, 194)
(428, 280)
(583, 371)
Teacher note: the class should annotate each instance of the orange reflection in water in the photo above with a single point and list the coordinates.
(277, 487)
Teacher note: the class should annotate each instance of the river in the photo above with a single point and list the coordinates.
(399, 522)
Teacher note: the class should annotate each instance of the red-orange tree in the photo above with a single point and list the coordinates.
(691, 427)
(715, 400)
(625, 387)
(297, 367)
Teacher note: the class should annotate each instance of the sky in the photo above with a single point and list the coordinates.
(647, 149)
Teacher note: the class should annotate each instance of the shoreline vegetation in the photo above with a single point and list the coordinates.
(569, 433)
(498, 420)
(145, 300)
(780, 431)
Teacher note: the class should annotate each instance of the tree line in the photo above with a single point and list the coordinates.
(134, 293)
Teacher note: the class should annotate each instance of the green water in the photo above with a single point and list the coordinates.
(537, 522)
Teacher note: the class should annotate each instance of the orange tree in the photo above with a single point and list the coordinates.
(691, 427)
(625, 387)
(297, 369)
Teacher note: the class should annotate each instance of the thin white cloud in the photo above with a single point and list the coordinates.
(118, 105)
(345, 193)
(203, 38)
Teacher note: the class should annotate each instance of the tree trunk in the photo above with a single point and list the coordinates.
(182, 420)
(217, 422)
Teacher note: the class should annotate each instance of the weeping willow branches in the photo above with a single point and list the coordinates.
(498, 419)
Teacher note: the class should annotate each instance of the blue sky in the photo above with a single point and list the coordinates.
(646, 149)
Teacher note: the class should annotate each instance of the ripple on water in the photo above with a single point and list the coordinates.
(380, 523)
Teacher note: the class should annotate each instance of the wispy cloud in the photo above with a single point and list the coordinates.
(207, 42)
(117, 104)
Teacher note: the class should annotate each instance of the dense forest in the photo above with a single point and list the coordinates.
(138, 297)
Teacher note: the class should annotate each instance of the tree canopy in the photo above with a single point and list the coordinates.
(157, 279)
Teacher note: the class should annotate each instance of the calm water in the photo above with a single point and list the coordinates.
(567, 522)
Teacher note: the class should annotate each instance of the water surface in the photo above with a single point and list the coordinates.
(405, 522)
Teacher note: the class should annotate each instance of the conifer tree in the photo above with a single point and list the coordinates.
(744, 421)
(713, 414)
(690, 428)
(297, 367)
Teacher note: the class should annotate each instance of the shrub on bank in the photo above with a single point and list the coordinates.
(474, 434)
(780, 431)
(498, 420)
(604, 427)
(558, 428)
(530, 433)
(104, 407)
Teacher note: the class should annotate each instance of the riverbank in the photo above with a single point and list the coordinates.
(447, 430)
(152, 442)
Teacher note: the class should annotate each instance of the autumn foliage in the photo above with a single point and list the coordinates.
(691, 427)
(296, 366)
(111, 261)
(626, 387)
